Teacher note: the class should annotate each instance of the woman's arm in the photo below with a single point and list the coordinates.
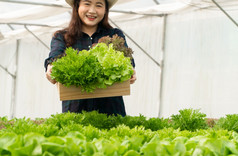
(48, 74)
(57, 48)
(133, 77)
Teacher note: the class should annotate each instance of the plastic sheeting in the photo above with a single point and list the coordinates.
(34, 95)
(201, 67)
(197, 46)
(146, 91)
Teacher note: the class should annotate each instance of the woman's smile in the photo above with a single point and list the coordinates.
(91, 18)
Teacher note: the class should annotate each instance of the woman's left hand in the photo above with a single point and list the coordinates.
(133, 77)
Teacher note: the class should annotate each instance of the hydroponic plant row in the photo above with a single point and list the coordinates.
(186, 133)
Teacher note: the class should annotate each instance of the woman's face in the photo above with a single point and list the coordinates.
(91, 12)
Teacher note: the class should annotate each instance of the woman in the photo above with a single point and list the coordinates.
(88, 24)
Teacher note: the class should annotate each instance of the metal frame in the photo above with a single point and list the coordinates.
(33, 3)
(225, 12)
(37, 37)
(146, 53)
(6, 70)
(14, 86)
(156, 2)
(162, 67)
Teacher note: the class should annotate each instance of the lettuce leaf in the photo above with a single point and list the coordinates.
(98, 67)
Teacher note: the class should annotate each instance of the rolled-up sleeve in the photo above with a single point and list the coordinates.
(57, 47)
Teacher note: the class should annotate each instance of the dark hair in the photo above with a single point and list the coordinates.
(74, 29)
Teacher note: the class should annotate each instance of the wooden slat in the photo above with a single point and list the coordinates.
(73, 93)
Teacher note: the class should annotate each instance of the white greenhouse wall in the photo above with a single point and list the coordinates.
(200, 67)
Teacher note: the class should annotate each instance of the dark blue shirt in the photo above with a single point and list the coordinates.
(108, 105)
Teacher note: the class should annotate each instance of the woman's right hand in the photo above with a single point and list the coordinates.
(48, 74)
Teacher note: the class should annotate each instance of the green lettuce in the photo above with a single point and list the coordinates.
(99, 67)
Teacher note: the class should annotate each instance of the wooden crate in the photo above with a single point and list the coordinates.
(73, 93)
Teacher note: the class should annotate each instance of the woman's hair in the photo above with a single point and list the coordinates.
(74, 29)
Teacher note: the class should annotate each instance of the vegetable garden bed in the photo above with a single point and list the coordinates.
(186, 133)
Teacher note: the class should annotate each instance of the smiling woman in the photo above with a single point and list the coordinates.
(91, 12)
(88, 24)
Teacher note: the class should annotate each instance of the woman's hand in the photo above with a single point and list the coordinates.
(48, 74)
(133, 77)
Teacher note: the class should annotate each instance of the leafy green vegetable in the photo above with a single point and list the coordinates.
(230, 122)
(75, 143)
(189, 119)
(91, 133)
(118, 43)
(98, 67)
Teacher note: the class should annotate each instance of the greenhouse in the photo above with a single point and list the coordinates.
(182, 103)
(185, 54)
